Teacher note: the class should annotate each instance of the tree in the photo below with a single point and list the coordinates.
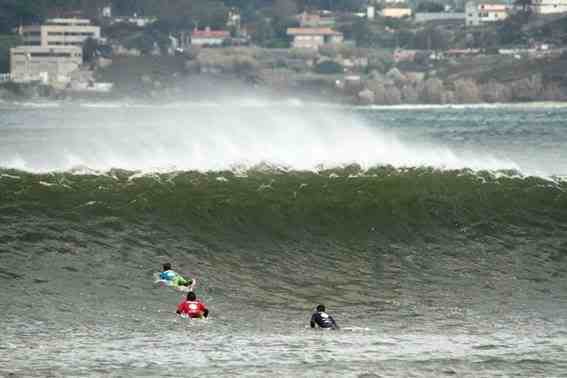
(439, 39)
(90, 47)
(430, 7)
(283, 17)
(328, 67)
(432, 39)
(510, 30)
(285, 8)
(14, 13)
(362, 34)
(526, 5)
(404, 38)
(6, 42)
(263, 32)
(188, 14)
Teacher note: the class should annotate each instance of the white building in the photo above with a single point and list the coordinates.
(549, 6)
(480, 13)
(396, 12)
(312, 38)
(28, 63)
(209, 37)
(59, 32)
(140, 22)
(371, 12)
(319, 19)
(424, 17)
(106, 12)
(234, 19)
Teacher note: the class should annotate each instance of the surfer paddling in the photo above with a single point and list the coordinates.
(174, 279)
(322, 319)
(192, 307)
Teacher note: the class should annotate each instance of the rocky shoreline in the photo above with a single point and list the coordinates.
(371, 78)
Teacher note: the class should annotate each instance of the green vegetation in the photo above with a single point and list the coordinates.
(328, 67)
(430, 7)
(6, 42)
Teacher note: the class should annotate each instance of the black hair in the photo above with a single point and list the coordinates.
(191, 296)
(321, 308)
(166, 266)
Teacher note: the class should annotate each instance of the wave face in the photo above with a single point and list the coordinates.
(429, 270)
(266, 222)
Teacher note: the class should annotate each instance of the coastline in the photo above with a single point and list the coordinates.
(212, 74)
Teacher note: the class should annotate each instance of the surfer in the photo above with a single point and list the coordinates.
(322, 319)
(174, 279)
(192, 307)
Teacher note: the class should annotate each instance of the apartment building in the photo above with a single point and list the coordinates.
(313, 38)
(549, 6)
(59, 32)
(29, 63)
(480, 13)
(52, 50)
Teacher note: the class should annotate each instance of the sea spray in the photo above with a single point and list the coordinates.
(205, 138)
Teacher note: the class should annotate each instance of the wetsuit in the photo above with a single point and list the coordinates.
(192, 309)
(323, 320)
(174, 279)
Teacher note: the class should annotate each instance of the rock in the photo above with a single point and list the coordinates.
(432, 91)
(392, 95)
(396, 75)
(527, 89)
(375, 75)
(366, 97)
(415, 77)
(495, 92)
(448, 97)
(553, 92)
(379, 93)
(375, 85)
(409, 94)
(466, 92)
(353, 84)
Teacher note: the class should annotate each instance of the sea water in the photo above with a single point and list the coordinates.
(435, 236)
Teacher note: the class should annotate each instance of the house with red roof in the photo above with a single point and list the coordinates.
(209, 37)
(312, 38)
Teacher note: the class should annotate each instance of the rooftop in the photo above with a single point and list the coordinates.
(312, 31)
(67, 21)
(208, 33)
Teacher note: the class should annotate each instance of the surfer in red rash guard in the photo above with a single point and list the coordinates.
(192, 307)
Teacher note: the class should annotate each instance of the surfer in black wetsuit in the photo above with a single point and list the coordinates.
(322, 319)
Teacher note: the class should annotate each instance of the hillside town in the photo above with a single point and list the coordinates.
(384, 52)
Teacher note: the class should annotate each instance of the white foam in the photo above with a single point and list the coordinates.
(242, 135)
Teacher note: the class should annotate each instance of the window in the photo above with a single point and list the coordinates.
(72, 34)
(50, 55)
